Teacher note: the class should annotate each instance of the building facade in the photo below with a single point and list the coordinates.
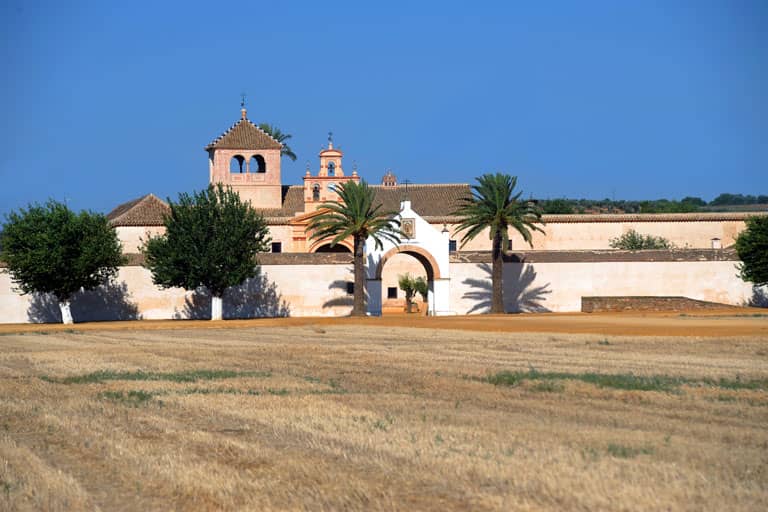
(248, 159)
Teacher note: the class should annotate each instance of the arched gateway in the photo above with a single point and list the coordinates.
(423, 242)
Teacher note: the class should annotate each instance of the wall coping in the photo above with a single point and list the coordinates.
(590, 218)
(584, 256)
(596, 256)
(269, 258)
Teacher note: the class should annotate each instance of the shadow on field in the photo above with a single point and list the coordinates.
(519, 295)
(256, 298)
(110, 301)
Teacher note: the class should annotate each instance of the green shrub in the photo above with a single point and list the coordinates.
(634, 241)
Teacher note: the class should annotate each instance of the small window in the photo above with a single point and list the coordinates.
(316, 192)
(391, 292)
(277, 246)
(331, 169)
(350, 288)
(451, 245)
(509, 244)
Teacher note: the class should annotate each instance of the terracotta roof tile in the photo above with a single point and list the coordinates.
(437, 200)
(244, 135)
(146, 210)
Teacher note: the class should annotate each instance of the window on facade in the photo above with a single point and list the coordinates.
(451, 245)
(350, 288)
(257, 164)
(316, 192)
(509, 244)
(331, 169)
(277, 246)
(391, 292)
(237, 164)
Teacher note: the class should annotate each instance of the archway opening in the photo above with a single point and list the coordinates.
(338, 248)
(237, 164)
(393, 299)
(257, 164)
(316, 192)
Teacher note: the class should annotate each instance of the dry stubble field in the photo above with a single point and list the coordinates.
(346, 416)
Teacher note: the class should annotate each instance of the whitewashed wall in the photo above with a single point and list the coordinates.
(279, 290)
(320, 290)
(559, 286)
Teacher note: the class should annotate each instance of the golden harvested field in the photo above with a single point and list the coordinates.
(322, 415)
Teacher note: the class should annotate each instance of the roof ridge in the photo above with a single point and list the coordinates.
(422, 185)
(226, 132)
(246, 124)
(262, 131)
(125, 213)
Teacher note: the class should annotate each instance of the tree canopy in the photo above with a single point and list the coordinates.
(211, 240)
(50, 249)
(752, 247)
(274, 132)
(495, 206)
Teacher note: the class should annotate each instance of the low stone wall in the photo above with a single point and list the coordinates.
(613, 304)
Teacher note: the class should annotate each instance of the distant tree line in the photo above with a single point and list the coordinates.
(685, 205)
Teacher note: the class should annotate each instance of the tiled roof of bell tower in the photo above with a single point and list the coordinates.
(244, 135)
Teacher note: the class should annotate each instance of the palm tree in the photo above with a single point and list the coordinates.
(355, 215)
(494, 205)
(275, 133)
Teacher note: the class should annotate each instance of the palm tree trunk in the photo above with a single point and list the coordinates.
(497, 301)
(358, 305)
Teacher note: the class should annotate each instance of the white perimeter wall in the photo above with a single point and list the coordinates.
(320, 290)
(560, 286)
(295, 290)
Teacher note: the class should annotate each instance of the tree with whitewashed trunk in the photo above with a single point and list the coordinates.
(211, 240)
(51, 249)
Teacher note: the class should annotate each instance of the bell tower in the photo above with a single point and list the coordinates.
(248, 159)
(322, 187)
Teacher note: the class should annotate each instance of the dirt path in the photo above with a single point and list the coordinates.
(718, 323)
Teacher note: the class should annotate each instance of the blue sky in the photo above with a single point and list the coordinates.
(105, 101)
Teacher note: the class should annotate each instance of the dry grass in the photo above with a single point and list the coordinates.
(373, 418)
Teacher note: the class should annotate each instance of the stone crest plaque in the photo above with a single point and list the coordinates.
(408, 227)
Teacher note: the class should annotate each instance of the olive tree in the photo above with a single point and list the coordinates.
(752, 247)
(50, 249)
(211, 239)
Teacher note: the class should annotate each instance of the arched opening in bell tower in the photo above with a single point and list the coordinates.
(237, 164)
(257, 164)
